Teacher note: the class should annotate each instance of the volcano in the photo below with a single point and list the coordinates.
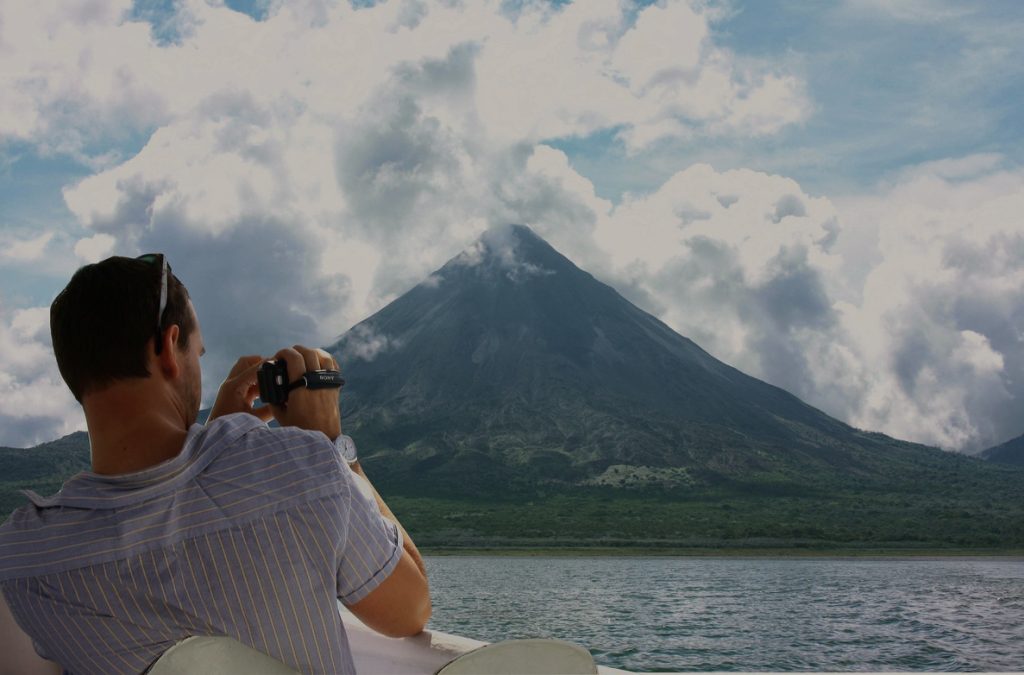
(510, 366)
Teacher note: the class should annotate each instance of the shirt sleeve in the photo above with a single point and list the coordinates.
(13, 602)
(373, 546)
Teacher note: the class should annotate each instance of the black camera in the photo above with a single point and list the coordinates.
(274, 386)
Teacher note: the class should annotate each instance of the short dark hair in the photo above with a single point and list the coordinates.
(103, 320)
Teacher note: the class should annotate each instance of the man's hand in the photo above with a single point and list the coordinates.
(239, 390)
(312, 409)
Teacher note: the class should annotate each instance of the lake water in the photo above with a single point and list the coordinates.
(675, 614)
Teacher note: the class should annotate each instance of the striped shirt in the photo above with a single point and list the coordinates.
(249, 532)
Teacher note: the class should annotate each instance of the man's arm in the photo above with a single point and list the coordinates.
(400, 606)
(17, 656)
(385, 511)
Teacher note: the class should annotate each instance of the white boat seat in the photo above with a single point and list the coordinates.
(216, 656)
(523, 657)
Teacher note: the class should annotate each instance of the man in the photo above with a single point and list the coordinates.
(232, 528)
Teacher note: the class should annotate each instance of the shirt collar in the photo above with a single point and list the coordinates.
(202, 445)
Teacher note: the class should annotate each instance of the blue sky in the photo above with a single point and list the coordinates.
(889, 91)
(870, 148)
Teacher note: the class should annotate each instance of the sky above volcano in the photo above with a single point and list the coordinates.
(826, 195)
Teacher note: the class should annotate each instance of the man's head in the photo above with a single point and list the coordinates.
(104, 322)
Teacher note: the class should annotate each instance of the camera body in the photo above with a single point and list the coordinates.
(274, 386)
(273, 380)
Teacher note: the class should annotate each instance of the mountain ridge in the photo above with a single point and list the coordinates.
(531, 337)
(1011, 452)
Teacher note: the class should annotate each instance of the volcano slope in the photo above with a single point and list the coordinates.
(513, 397)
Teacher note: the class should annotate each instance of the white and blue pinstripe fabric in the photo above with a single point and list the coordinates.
(249, 532)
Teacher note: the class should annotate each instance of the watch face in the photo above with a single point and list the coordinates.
(347, 447)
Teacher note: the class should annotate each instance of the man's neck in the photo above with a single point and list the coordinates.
(133, 425)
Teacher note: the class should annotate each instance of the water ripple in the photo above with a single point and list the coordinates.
(674, 614)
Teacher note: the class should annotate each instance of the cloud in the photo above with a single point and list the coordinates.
(78, 77)
(498, 252)
(956, 168)
(37, 404)
(95, 248)
(911, 11)
(363, 342)
(740, 262)
(71, 79)
(589, 68)
(917, 333)
(20, 250)
(940, 316)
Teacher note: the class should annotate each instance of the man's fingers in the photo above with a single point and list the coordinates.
(326, 360)
(248, 374)
(296, 362)
(239, 390)
(244, 363)
(263, 412)
(310, 357)
(301, 360)
(316, 359)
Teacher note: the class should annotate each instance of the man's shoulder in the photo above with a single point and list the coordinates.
(240, 432)
(231, 470)
(272, 455)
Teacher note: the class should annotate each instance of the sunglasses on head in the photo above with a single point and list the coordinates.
(165, 269)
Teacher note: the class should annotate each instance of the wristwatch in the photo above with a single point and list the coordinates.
(347, 447)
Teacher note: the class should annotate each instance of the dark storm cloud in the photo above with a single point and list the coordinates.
(390, 161)
(794, 295)
(256, 289)
(454, 75)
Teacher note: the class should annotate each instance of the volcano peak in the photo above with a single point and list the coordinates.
(512, 354)
(510, 252)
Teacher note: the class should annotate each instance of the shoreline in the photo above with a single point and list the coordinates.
(881, 553)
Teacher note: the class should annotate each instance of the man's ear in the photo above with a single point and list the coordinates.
(170, 363)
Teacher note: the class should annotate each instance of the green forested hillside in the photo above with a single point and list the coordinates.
(43, 468)
(980, 506)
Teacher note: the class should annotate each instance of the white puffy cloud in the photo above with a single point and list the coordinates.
(71, 78)
(365, 343)
(498, 245)
(75, 77)
(37, 405)
(940, 321)
(899, 312)
(95, 248)
(587, 68)
(16, 248)
(740, 262)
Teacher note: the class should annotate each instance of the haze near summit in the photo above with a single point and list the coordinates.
(824, 197)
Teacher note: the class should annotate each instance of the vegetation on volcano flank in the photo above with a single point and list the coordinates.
(1011, 452)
